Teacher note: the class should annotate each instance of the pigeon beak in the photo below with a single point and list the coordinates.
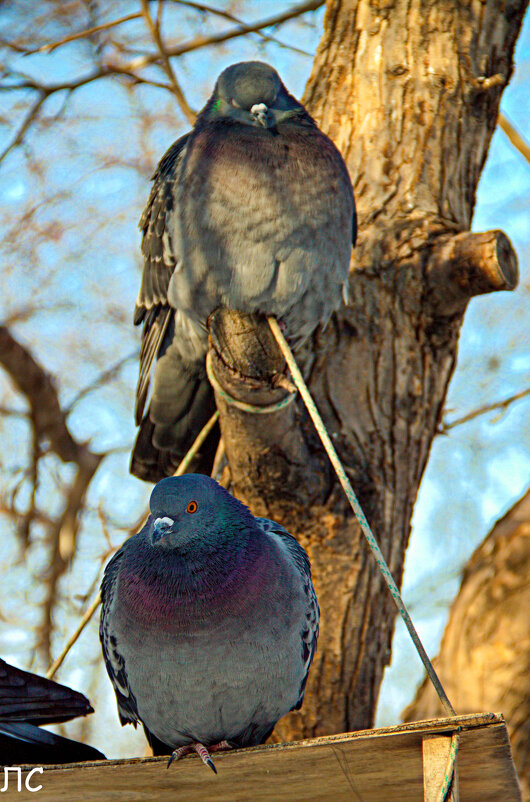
(260, 112)
(272, 117)
(161, 528)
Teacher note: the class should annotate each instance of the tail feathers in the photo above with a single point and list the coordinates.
(21, 743)
(28, 697)
(181, 404)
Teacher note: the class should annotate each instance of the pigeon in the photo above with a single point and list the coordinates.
(27, 700)
(209, 622)
(252, 210)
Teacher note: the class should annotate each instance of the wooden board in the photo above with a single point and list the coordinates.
(372, 765)
(439, 771)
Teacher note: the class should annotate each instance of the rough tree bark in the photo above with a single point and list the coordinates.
(409, 92)
(484, 659)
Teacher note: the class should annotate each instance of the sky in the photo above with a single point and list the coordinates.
(71, 199)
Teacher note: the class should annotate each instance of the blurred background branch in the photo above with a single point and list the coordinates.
(90, 101)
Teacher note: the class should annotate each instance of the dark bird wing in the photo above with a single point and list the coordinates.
(21, 743)
(27, 697)
(309, 631)
(160, 260)
(181, 399)
(114, 662)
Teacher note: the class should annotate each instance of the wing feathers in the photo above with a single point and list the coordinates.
(114, 662)
(309, 632)
(152, 306)
(155, 327)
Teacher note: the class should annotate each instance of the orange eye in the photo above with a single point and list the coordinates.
(192, 507)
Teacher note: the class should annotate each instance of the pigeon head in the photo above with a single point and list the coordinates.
(191, 508)
(252, 93)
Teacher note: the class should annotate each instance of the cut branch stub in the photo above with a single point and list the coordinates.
(269, 459)
(469, 264)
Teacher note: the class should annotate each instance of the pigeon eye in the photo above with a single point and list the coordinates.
(192, 507)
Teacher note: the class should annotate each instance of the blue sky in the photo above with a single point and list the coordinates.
(71, 200)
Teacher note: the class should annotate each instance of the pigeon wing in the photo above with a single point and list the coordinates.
(309, 633)
(114, 662)
(160, 260)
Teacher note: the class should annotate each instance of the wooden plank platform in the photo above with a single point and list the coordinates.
(371, 765)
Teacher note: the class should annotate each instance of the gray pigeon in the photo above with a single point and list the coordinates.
(209, 621)
(253, 210)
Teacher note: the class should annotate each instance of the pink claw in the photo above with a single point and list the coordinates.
(201, 751)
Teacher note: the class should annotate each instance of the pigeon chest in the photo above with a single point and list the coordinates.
(263, 186)
(216, 668)
(262, 223)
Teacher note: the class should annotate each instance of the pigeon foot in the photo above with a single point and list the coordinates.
(201, 751)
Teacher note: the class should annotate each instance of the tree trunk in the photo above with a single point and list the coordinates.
(409, 93)
(484, 660)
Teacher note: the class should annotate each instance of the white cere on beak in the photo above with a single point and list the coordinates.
(168, 521)
(259, 112)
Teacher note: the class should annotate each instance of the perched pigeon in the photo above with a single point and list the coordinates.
(253, 210)
(209, 621)
(27, 700)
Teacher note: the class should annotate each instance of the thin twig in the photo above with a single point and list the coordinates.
(62, 537)
(219, 12)
(128, 70)
(45, 91)
(219, 458)
(233, 33)
(103, 378)
(49, 48)
(103, 72)
(444, 427)
(14, 413)
(179, 94)
(197, 443)
(89, 612)
(28, 119)
(514, 136)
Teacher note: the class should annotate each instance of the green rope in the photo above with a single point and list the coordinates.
(343, 479)
(244, 407)
(450, 768)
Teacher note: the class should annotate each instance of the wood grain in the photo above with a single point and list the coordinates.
(373, 766)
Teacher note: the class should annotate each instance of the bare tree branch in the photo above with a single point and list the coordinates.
(28, 119)
(219, 12)
(39, 516)
(129, 71)
(33, 381)
(49, 424)
(49, 48)
(103, 378)
(62, 542)
(445, 427)
(27, 311)
(13, 413)
(157, 37)
(514, 136)
(233, 33)
(103, 72)
(45, 90)
(27, 519)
